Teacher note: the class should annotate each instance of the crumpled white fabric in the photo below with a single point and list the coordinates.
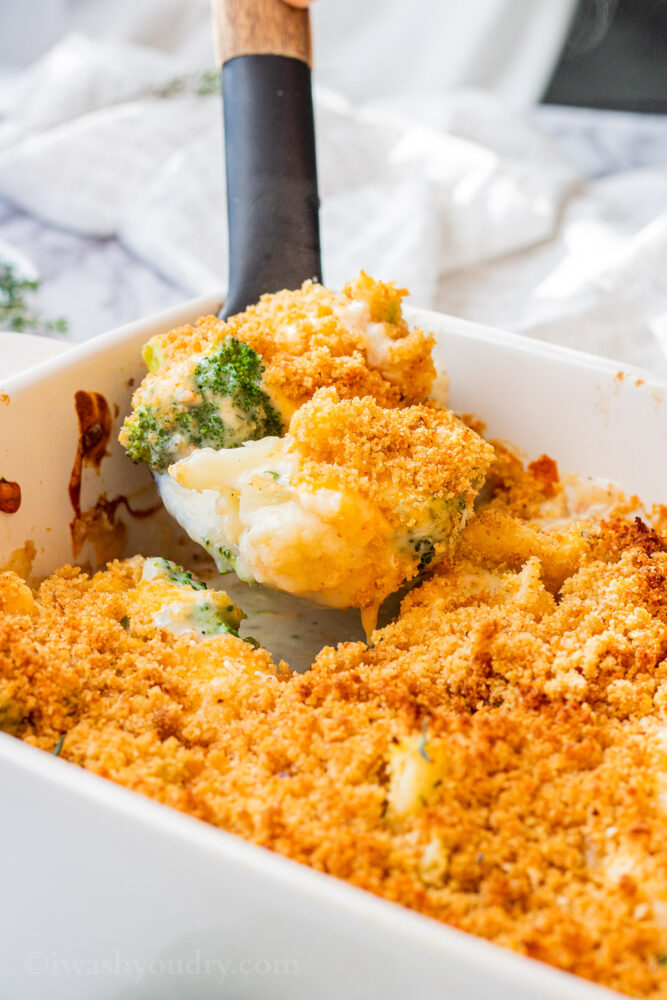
(458, 199)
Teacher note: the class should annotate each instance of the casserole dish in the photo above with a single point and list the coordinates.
(110, 895)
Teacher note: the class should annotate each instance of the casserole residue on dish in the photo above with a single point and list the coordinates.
(495, 758)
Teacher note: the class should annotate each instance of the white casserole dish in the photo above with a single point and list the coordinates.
(109, 895)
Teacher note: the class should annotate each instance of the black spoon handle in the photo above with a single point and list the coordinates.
(272, 200)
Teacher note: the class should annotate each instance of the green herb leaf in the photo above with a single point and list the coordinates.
(202, 84)
(59, 745)
(208, 83)
(16, 313)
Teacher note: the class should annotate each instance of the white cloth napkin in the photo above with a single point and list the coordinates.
(458, 199)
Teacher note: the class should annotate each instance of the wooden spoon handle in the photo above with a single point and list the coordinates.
(260, 27)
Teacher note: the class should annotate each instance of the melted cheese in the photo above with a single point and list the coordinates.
(312, 542)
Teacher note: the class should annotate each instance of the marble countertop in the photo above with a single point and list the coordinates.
(97, 285)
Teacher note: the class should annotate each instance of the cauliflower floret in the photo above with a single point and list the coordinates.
(415, 772)
(352, 502)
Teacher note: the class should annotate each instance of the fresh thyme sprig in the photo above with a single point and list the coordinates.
(16, 311)
(202, 84)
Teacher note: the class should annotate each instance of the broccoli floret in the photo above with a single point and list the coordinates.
(146, 441)
(235, 367)
(425, 551)
(212, 612)
(225, 406)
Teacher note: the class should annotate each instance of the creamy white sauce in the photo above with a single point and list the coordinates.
(154, 569)
(235, 420)
(582, 499)
(175, 617)
(200, 615)
(377, 343)
(282, 533)
(176, 384)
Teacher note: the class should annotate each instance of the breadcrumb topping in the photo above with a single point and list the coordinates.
(307, 340)
(496, 759)
(409, 454)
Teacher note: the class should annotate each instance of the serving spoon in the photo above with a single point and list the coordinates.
(264, 50)
(265, 53)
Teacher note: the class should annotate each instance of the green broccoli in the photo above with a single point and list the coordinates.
(220, 404)
(145, 440)
(211, 612)
(440, 524)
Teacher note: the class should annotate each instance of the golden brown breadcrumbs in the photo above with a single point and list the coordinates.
(393, 456)
(306, 342)
(527, 710)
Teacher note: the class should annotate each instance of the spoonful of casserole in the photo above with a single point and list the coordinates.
(298, 445)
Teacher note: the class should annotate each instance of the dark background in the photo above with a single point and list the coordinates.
(615, 57)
